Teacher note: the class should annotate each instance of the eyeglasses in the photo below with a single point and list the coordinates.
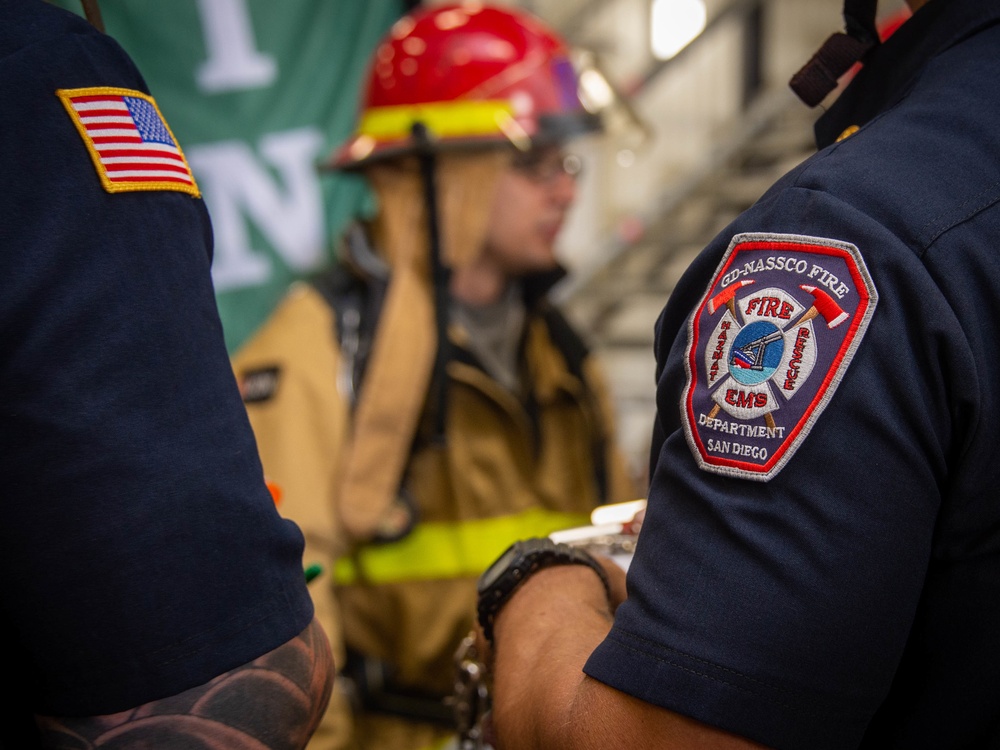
(544, 167)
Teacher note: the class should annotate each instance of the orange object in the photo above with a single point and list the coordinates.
(275, 492)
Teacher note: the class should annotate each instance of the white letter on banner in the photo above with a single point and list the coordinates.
(234, 62)
(237, 187)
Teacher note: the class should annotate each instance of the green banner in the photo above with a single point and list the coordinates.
(258, 91)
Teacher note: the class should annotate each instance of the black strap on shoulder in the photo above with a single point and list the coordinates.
(819, 76)
(567, 340)
(356, 303)
(440, 275)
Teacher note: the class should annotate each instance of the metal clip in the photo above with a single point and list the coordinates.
(349, 346)
(471, 700)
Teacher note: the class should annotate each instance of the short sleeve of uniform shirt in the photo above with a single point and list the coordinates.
(141, 552)
(780, 609)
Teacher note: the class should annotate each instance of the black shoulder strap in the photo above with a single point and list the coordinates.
(567, 340)
(839, 52)
(356, 304)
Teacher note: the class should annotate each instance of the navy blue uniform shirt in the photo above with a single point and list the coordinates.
(819, 566)
(141, 553)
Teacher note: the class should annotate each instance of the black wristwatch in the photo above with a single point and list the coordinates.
(516, 564)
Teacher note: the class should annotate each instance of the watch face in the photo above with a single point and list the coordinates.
(497, 569)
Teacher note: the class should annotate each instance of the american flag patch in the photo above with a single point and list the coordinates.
(128, 139)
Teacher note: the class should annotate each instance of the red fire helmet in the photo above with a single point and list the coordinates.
(473, 75)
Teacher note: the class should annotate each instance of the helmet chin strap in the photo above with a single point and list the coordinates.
(93, 13)
(819, 76)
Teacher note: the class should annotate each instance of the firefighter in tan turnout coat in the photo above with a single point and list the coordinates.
(410, 465)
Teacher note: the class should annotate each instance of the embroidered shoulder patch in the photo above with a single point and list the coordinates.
(129, 142)
(768, 346)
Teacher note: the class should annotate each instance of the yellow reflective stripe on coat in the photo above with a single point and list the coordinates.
(451, 119)
(449, 550)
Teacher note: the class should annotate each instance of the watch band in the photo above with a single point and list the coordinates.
(518, 563)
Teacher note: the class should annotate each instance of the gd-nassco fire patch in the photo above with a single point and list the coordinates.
(767, 347)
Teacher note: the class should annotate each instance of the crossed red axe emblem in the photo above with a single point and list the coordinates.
(823, 305)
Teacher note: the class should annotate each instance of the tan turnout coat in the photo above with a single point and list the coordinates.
(504, 471)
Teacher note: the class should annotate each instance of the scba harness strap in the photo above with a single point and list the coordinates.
(356, 305)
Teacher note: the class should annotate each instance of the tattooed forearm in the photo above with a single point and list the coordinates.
(272, 703)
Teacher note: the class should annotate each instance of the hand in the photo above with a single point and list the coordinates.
(633, 526)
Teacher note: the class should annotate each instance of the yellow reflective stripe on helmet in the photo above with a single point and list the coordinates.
(449, 550)
(451, 119)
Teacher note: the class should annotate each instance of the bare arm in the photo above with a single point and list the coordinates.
(273, 702)
(542, 698)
